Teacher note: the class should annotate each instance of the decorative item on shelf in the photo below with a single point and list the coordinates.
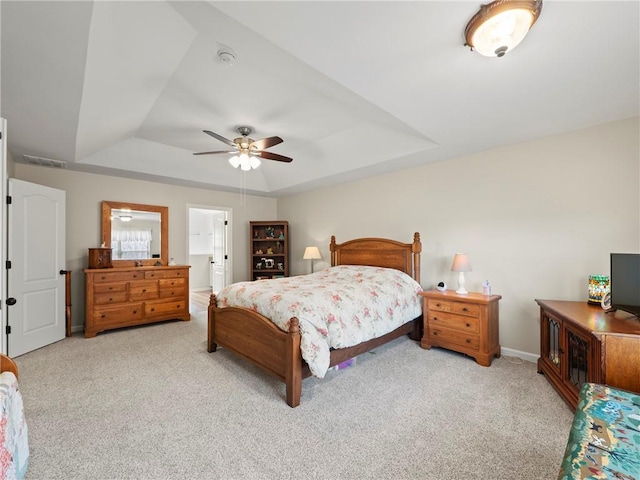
(281, 236)
(461, 264)
(259, 251)
(269, 263)
(278, 247)
(157, 264)
(269, 251)
(486, 288)
(269, 232)
(598, 286)
(498, 27)
(172, 262)
(259, 266)
(280, 266)
(311, 253)
(606, 302)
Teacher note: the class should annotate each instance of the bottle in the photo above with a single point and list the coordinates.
(486, 288)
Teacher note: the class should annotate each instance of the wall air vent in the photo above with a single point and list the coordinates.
(44, 162)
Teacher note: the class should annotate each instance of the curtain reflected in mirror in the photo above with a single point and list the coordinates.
(135, 235)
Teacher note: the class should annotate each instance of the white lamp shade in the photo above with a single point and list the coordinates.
(234, 161)
(311, 253)
(461, 263)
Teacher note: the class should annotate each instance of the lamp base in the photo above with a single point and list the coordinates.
(461, 291)
(461, 283)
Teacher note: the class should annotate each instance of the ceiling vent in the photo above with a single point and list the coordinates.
(44, 162)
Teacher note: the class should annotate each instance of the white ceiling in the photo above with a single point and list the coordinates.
(354, 88)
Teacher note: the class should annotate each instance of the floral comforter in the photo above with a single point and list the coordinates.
(14, 445)
(337, 307)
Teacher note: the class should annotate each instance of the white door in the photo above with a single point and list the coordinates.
(36, 282)
(219, 269)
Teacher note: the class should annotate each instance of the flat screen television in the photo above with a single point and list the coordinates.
(625, 282)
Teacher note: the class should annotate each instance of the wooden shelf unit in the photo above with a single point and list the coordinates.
(270, 237)
(582, 343)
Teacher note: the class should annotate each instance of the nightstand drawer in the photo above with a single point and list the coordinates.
(439, 305)
(456, 337)
(465, 309)
(450, 320)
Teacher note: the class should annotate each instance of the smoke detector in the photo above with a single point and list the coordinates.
(226, 56)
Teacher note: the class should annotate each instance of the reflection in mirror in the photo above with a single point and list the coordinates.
(136, 233)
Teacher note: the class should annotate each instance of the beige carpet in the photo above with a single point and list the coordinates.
(151, 403)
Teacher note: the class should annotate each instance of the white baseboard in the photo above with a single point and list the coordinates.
(529, 357)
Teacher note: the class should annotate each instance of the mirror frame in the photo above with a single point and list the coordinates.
(108, 206)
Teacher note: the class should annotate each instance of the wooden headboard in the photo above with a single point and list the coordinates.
(379, 252)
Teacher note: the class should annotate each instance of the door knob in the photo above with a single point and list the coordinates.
(63, 272)
(11, 301)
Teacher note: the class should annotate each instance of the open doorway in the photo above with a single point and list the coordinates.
(209, 231)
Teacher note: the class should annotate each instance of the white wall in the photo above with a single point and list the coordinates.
(535, 219)
(85, 193)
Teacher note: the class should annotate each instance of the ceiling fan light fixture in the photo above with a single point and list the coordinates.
(254, 161)
(500, 26)
(234, 161)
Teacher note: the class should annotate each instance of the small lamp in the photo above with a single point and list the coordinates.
(311, 253)
(598, 287)
(461, 264)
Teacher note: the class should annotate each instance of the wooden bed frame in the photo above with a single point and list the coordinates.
(260, 341)
(7, 364)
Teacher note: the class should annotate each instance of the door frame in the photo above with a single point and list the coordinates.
(229, 233)
(4, 278)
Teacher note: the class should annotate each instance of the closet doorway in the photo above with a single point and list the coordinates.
(209, 232)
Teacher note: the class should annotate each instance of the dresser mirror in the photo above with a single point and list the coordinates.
(137, 234)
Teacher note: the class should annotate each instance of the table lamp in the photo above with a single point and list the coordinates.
(311, 253)
(461, 264)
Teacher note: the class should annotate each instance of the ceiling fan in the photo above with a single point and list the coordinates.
(247, 150)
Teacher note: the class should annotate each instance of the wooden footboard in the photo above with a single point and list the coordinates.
(259, 340)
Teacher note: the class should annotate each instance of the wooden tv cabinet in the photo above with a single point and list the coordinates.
(125, 297)
(582, 343)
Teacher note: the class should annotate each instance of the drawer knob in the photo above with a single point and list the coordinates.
(435, 333)
(103, 316)
(438, 305)
(468, 340)
(468, 325)
(464, 309)
(144, 290)
(153, 309)
(135, 311)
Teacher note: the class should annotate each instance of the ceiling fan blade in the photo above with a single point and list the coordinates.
(273, 156)
(266, 143)
(214, 153)
(221, 138)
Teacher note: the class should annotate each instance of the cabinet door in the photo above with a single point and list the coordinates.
(579, 360)
(551, 347)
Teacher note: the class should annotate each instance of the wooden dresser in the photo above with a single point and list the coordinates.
(465, 323)
(124, 297)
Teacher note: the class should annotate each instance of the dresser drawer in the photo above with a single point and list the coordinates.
(175, 307)
(118, 315)
(114, 277)
(107, 298)
(171, 282)
(110, 287)
(167, 292)
(173, 273)
(441, 335)
(143, 290)
(450, 320)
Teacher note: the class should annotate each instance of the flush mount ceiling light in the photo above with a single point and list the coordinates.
(501, 25)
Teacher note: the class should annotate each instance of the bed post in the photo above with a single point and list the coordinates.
(294, 364)
(213, 304)
(417, 249)
(332, 250)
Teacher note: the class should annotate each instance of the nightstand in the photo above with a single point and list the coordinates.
(464, 323)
